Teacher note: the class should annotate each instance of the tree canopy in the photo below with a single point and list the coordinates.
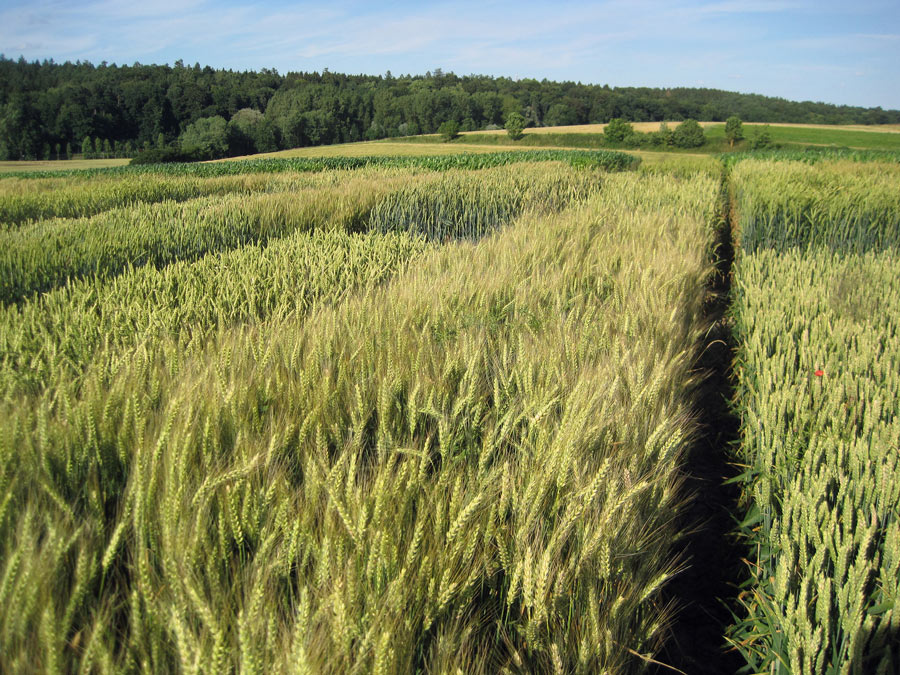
(43, 104)
(449, 130)
(734, 130)
(688, 134)
(515, 124)
(208, 137)
(618, 130)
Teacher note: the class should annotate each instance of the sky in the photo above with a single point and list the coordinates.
(820, 50)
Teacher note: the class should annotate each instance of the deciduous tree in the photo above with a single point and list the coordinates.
(689, 134)
(449, 130)
(761, 138)
(515, 124)
(734, 130)
(208, 136)
(617, 130)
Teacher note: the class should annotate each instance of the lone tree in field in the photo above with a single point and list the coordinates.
(515, 123)
(734, 130)
(618, 130)
(449, 130)
(762, 138)
(689, 134)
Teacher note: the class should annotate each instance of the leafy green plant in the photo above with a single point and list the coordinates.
(449, 130)
(515, 124)
(761, 138)
(734, 130)
(617, 130)
(688, 134)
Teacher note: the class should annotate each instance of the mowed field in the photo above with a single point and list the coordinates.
(61, 165)
(646, 127)
(369, 148)
(876, 137)
(390, 408)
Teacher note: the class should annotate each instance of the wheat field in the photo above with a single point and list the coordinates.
(382, 454)
(437, 414)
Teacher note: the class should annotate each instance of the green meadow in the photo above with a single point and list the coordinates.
(591, 136)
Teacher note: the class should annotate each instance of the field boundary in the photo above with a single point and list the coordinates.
(706, 590)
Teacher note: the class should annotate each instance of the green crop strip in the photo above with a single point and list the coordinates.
(817, 315)
(602, 159)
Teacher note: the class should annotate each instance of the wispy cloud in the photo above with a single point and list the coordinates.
(743, 7)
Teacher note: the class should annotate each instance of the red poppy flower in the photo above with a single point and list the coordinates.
(819, 373)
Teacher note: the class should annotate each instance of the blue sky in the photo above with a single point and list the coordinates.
(820, 50)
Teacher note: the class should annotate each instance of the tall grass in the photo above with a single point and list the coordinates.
(473, 468)
(822, 456)
(681, 165)
(470, 204)
(812, 155)
(45, 255)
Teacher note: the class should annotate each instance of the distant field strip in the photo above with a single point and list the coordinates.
(817, 311)
(310, 160)
(49, 166)
(591, 136)
(87, 193)
(472, 467)
(645, 127)
(814, 155)
(874, 139)
(76, 197)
